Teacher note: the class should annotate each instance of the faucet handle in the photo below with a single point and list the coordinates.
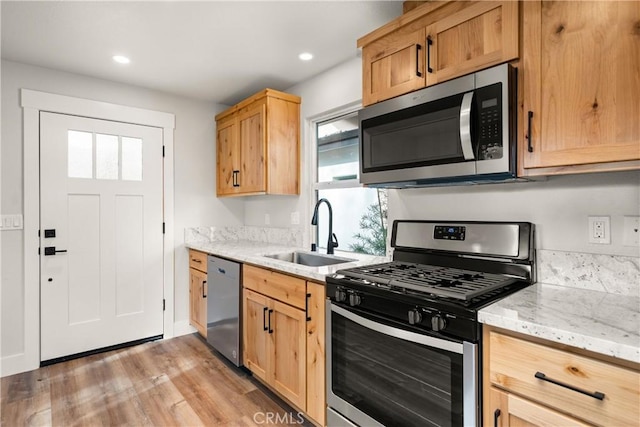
(334, 240)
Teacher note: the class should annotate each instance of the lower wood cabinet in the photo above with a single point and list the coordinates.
(513, 411)
(275, 346)
(283, 337)
(198, 291)
(544, 384)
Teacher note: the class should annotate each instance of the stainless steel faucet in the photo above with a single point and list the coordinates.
(333, 240)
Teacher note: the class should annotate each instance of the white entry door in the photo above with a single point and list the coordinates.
(101, 276)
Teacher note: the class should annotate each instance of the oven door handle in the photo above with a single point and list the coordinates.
(452, 346)
(465, 126)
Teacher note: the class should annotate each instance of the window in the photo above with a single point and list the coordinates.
(101, 156)
(360, 213)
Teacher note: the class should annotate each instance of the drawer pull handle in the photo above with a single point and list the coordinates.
(264, 318)
(595, 394)
(418, 48)
(306, 307)
(496, 417)
(429, 44)
(196, 260)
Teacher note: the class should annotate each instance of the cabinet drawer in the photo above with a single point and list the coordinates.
(281, 287)
(198, 260)
(516, 365)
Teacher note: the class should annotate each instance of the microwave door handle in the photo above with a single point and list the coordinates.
(465, 126)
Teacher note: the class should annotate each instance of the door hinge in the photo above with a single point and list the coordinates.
(163, 151)
(163, 228)
(38, 233)
(38, 251)
(164, 305)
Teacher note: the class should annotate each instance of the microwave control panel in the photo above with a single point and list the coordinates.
(489, 107)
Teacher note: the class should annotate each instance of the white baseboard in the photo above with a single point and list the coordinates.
(15, 364)
(182, 328)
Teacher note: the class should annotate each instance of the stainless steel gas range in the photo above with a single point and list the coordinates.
(403, 340)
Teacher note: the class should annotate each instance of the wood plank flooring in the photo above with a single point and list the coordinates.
(177, 382)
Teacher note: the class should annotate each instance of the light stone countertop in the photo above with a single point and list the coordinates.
(601, 322)
(592, 319)
(252, 252)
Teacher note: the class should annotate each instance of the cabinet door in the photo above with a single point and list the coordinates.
(253, 144)
(478, 36)
(392, 66)
(255, 330)
(581, 65)
(197, 300)
(508, 410)
(227, 155)
(316, 396)
(288, 360)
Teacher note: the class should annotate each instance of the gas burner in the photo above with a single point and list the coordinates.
(444, 283)
(469, 277)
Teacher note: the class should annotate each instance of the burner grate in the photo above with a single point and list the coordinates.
(440, 281)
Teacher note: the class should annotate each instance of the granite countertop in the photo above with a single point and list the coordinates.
(252, 252)
(601, 322)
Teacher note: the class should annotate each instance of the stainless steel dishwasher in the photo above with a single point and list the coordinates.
(224, 328)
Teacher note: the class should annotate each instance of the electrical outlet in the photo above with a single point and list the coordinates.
(631, 231)
(600, 230)
(295, 218)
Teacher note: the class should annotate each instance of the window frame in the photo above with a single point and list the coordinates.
(313, 130)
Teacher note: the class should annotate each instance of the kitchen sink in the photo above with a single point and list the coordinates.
(309, 259)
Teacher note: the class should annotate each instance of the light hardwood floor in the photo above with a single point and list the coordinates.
(177, 382)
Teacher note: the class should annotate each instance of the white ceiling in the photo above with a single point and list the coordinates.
(220, 51)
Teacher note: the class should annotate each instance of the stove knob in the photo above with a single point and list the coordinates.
(415, 316)
(354, 299)
(341, 295)
(438, 323)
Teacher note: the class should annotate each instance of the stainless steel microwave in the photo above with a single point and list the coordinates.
(459, 131)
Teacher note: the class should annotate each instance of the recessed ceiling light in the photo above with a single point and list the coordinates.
(305, 56)
(121, 59)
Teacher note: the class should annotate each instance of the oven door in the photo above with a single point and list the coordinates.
(381, 373)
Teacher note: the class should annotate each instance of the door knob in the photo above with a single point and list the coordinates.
(51, 250)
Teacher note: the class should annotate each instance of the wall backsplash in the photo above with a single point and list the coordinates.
(273, 235)
(607, 273)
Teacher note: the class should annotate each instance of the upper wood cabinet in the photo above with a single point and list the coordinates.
(435, 42)
(581, 62)
(480, 35)
(258, 146)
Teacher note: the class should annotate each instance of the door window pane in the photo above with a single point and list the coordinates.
(106, 156)
(131, 159)
(80, 154)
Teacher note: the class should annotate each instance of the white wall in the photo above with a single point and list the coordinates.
(334, 89)
(558, 206)
(194, 177)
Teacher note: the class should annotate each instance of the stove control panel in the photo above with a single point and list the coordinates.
(438, 323)
(415, 317)
(449, 232)
(354, 299)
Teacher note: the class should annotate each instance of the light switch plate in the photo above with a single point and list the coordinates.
(11, 222)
